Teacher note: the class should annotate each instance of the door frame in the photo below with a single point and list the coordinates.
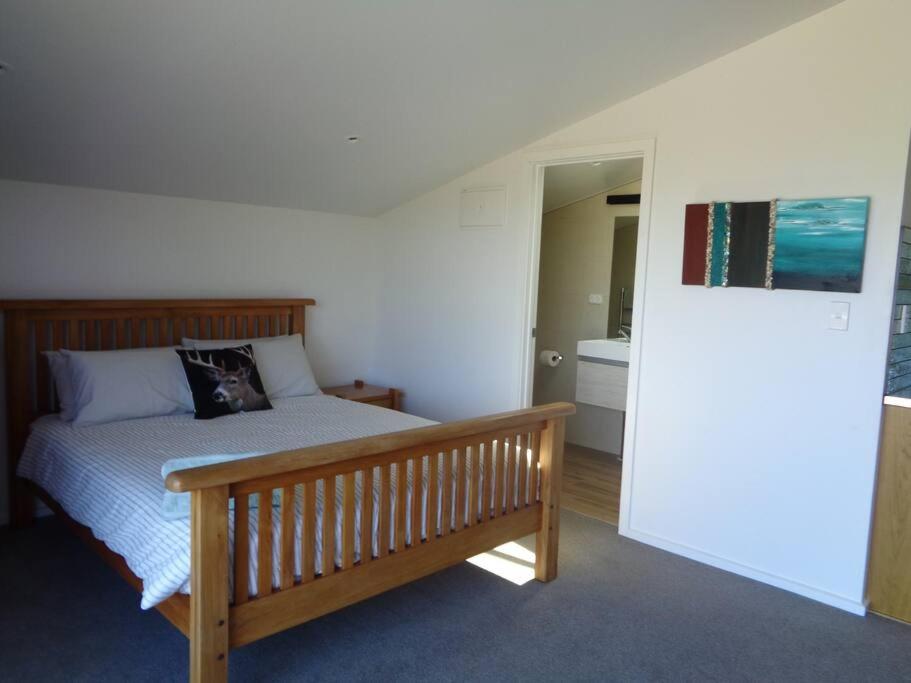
(536, 163)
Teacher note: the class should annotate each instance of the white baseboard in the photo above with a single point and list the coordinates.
(831, 599)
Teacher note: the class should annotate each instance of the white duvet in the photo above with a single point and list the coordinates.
(108, 477)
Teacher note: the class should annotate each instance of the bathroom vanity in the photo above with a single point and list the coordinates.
(602, 372)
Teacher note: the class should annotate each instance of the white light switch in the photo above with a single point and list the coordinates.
(595, 299)
(839, 313)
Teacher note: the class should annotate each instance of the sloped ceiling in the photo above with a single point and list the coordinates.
(253, 101)
(569, 183)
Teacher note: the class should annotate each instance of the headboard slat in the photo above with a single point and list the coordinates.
(91, 334)
(43, 392)
(34, 326)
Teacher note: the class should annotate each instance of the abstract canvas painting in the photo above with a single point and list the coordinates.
(695, 241)
(749, 244)
(815, 244)
(819, 244)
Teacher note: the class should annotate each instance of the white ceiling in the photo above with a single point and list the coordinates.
(569, 183)
(251, 101)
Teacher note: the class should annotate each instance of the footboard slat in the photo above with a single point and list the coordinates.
(367, 516)
(348, 523)
(459, 521)
(533, 474)
(474, 484)
(417, 479)
(499, 468)
(287, 538)
(264, 554)
(308, 532)
(486, 502)
(446, 493)
(328, 526)
(401, 484)
(430, 517)
(510, 482)
(385, 502)
(241, 549)
(523, 471)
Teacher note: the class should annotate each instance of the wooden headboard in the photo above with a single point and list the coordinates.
(36, 326)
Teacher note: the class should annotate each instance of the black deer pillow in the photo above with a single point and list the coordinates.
(223, 381)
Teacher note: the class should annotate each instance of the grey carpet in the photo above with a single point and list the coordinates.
(619, 611)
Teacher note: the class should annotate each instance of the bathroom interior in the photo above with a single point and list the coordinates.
(589, 231)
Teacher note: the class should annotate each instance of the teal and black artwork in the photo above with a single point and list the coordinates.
(815, 244)
(819, 244)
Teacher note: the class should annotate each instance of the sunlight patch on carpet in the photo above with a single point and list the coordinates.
(509, 561)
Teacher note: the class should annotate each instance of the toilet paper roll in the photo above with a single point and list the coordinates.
(550, 358)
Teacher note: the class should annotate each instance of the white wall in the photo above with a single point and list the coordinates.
(64, 242)
(577, 248)
(758, 427)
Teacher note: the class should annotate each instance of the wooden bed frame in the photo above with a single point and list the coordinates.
(521, 441)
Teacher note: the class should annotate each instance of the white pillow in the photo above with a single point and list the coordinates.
(281, 361)
(60, 370)
(122, 385)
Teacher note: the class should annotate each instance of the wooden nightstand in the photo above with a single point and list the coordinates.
(367, 393)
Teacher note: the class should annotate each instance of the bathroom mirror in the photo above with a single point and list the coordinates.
(623, 274)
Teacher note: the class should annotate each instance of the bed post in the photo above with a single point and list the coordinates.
(547, 539)
(209, 584)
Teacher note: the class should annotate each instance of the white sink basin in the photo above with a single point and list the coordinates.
(605, 349)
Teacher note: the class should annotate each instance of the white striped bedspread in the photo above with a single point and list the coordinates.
(108, 478)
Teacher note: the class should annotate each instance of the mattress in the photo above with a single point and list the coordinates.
(108, 477)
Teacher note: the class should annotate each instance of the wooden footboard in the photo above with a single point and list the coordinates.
(494, 479)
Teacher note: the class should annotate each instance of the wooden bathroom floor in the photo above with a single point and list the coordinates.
(591, 483)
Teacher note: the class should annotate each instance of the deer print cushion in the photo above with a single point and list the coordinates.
(224, 381)
(281, 361)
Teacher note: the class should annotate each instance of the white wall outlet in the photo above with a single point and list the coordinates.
(839, 314)
(595, 299)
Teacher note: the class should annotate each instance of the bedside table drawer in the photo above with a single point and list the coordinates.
(381, 402)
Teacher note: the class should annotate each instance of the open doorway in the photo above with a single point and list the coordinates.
(584, 320)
